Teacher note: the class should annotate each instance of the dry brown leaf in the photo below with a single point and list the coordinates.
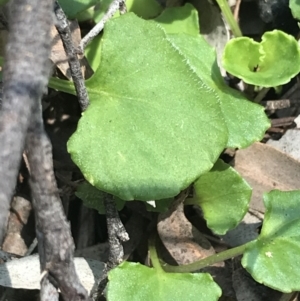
(183, 241)
(266, 168)
(14, 242)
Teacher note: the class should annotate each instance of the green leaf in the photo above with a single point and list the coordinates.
(146, 9)
(222, 187)
(72, 8)
(201, 59)
(141, 137)
(272, 62)
(135, 282)
(246, 121)
(273, 258)
(101, 9)
(295, 8)
(176, 20)
(156, 120)
(94, 198)
(92, 52)
(3, 2)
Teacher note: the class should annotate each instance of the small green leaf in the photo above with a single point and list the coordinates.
(295, 8)
(222, 187)
(273, 258)
(176, 20)
(94, 198)
(146, 9)
(272, 62)
(72, 8)
(135, 282)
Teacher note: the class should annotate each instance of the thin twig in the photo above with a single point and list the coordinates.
(31, 247)
(54, 237)
(113, 8)
(237, 10)
(64, 31)
(180, 198)
(284, 121)
(280, 104)
(288, 297)
(261, 94)
(116, 235)
(122, 8)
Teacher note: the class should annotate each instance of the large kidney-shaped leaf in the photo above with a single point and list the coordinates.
(273, 258)
(152, 127)
(156, 121)
(272, 62)
(222, 187)
(135, 282)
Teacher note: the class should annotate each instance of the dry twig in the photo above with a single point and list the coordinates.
(116, 235)
(64, 31)
(113, 8)
(26, 73)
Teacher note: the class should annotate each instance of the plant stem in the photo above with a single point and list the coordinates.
(62, 85)
(153, 254)
(261, 94)
(288, 297)
(206, 261)
(225, 8)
